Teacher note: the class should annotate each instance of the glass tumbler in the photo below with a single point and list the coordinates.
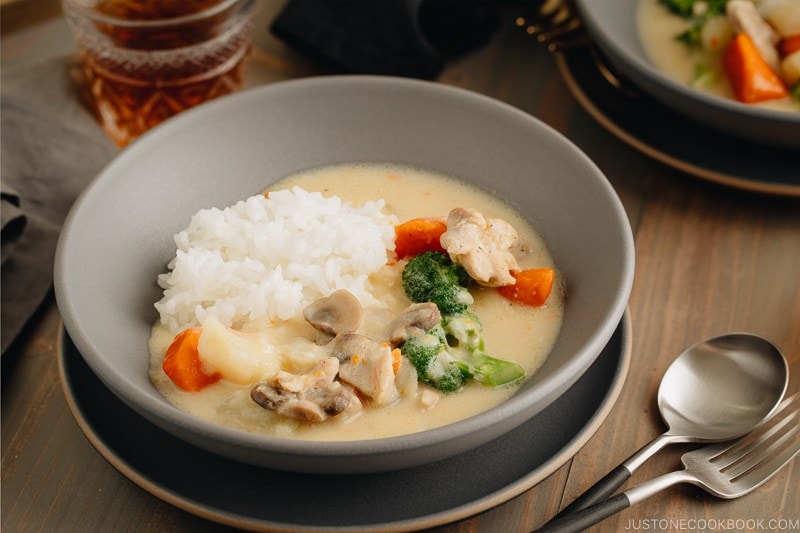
(147, 60)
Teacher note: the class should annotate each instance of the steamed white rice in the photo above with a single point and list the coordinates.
(265, 259)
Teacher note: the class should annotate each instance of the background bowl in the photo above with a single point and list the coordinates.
(612, 26)
(118, 237)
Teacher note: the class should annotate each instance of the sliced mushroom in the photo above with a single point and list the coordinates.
(314, 405)
(313, 396)
(338, 313)
(367, 366)
(415, 319)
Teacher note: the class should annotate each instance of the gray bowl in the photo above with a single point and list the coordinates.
(612, 26)
(118, 237)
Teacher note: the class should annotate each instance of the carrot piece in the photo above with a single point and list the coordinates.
(532, 287)
(418, 235)
(396, 356)
(789, 45)
(751, 78)
(183, 365)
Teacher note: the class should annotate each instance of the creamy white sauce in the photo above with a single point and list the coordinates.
(657, 30)
(512, 331)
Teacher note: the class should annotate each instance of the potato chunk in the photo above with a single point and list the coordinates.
(242, 358)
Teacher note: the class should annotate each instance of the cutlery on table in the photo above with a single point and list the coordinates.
(716, 390)
(727, 470)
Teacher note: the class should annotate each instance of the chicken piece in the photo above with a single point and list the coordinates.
(313, 396)
(322, 374)
(428, 398)
(367, 366)
(482, 245)
(783, 15)
(407, 379)
(791, 68)
(744, 17)
(415, 319)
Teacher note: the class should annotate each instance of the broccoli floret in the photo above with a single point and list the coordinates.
(692, 36)
(463, 332)
(464, 337)
(428, 353)
(795, 91)
(703, 75)
(433, 277)
(686, 8)
(452, 350)
(452, 380)
(697, 15)
(680, 7)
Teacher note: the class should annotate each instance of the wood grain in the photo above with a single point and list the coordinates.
(708, 260)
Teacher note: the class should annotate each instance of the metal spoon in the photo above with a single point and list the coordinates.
(716, 390)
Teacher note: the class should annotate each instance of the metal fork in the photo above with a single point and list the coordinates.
(556, 24)
(726, 470)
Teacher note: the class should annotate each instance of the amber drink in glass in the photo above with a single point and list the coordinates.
(147, 60)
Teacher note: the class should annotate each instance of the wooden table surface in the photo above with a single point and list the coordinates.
(709, 260)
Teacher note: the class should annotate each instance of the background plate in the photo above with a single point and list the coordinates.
(244, 496)
(662, 134)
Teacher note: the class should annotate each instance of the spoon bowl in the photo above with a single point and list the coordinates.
(722, 388)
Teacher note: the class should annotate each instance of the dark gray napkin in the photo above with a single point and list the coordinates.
(413, 38)
(51, 149)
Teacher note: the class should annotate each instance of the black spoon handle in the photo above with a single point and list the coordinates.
(599, 491)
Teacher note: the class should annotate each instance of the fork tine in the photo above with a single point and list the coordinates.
(769, 446)
(784, 415)
(551, 16)
(569, 25)
(550, 8)
(763, 470)
(775, 438)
